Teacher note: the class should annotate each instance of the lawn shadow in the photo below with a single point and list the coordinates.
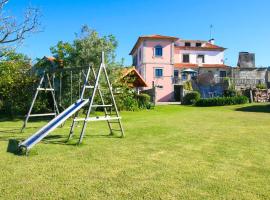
(5, 118)
(63, 139)
(15, 130)
(255, 108)
(55, 139)
(6, 137)
(112, 136)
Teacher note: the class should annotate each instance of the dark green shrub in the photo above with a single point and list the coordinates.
(261, 86)
(222, 101)
(191, 98)
(230, 93)
(1, 105)
(150, 106)
(143, 101)
(130, 104)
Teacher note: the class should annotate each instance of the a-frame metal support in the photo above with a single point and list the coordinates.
(44, 77)
(115, 119)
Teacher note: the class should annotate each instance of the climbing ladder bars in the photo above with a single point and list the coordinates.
(40, 88)
(115, 119)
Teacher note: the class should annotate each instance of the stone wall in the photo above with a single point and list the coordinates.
(261, 95)
(249, 77)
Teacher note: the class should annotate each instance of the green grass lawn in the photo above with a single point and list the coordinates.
(171, 152)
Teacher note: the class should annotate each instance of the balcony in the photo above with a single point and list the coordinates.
(179, 80)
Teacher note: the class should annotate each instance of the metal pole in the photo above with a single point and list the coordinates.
(80, 74)
(33, 102)
(102, 100)
(91, 103)
(71, 85)
(111, 92)
(53, 95)
(60, 89)
(53, 86)
(76, 115)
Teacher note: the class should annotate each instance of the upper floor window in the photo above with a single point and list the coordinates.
(140, 54)
(187, 44)
(135, 60)
(158, 72)
(198, 44)
(185, 58)
(222, 73)
(200, 59)
(158, 50)
(176, 73)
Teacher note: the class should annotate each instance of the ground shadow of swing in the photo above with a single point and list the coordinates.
(264, 108)
(14, 130)
(56, 139)
(62, 139)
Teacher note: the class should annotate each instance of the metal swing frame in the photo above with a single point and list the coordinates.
(46, 76)
(51, 89)
(109, 117)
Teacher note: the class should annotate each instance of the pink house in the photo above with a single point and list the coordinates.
(161, 61)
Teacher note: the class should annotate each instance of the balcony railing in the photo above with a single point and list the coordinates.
(248, 81)
(178, 81)
(239, 81)
(222, 80)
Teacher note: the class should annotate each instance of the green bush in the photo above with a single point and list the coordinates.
(130, 104)
(230, 93)
(1, 105)
(191, 98)
(222, 101)
(143, 101)
(261, 86)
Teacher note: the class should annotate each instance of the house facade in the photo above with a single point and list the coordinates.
(163, 62)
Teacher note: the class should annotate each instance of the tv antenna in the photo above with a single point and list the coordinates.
(211, 29)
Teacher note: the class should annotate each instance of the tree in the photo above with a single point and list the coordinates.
(63, 51)
(86, 48)
(13, 31)
(15, 83)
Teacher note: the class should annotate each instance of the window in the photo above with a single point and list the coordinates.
(198, 44)
(200, 58)
(185, 58)
(187, 44)
(135, 60)
(184, 76)
(158, 51)
(222, 73)
(158, 72)
(176, 73)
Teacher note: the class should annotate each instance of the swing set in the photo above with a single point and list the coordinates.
(47, 84)
(87, 98)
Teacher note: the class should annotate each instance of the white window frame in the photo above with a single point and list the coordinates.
(155, 68)
(161, 51)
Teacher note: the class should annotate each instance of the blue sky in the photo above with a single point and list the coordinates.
(239, 25)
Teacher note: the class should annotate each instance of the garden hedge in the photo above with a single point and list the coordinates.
(222, 101)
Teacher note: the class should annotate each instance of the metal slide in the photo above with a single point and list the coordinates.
(53, 124)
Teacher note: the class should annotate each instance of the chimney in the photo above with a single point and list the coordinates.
(212, 41)
(246, 60)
